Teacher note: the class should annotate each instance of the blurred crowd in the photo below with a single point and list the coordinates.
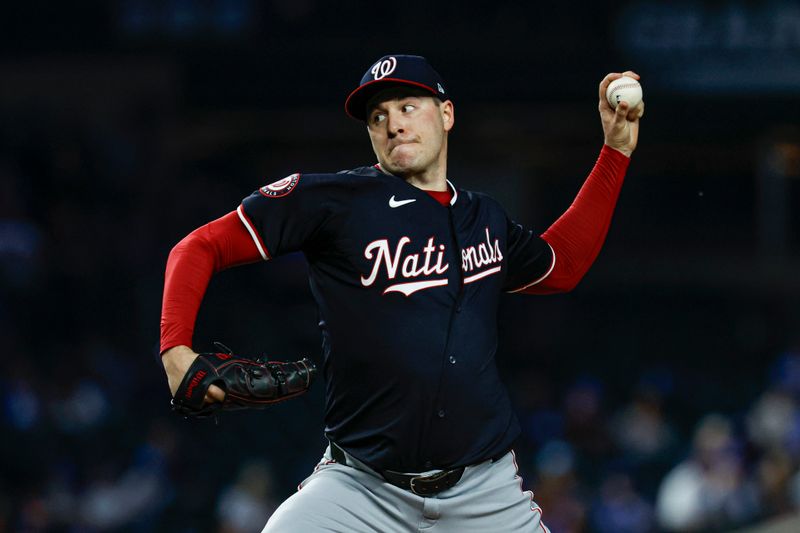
(86, 221)
(630, 467)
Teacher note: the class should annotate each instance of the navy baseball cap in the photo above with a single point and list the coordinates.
(392, 71)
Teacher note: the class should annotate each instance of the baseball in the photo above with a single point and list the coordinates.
(624, 88)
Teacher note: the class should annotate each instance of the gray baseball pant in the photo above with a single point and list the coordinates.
(353, 498)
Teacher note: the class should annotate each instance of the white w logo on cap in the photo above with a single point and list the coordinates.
(383, 68)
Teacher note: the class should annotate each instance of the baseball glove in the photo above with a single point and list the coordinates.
(248, 383)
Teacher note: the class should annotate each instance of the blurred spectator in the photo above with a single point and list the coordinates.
(21, 239)
(794, 491)
(21, 402)
(647, 443)
(84, 407)
(585, 424)
(708, 490)
(620, 509)
(246, 505)
(774, 422)
(639, 428)
(785, 372)
(774, 477)
(558, 491)
(143, 486)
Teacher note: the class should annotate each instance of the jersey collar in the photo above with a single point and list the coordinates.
(455, 192)
(449, 184)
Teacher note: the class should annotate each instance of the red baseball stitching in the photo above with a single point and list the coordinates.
(623, 86)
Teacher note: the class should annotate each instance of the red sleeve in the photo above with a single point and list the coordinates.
(220, 244)
(577, 236)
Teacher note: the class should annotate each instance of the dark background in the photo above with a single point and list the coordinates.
(661, 394)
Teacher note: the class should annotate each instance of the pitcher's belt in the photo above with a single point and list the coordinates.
(421, 485)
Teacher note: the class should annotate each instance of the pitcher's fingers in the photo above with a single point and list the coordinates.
(214, 394)
(636, 112)
(611, 76)
(621, 112)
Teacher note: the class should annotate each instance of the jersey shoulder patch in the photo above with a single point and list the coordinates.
(282, 187)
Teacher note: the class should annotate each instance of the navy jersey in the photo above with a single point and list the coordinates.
(407, 292)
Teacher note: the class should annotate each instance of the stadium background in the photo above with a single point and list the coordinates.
(662, 394)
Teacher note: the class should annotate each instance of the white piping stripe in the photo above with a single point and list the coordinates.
(252, 232)
(479, 275)
(455, 192)
(552, 266)
(534, 506)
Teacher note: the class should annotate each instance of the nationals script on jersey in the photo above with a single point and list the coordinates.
(407, 292)
(426, 264)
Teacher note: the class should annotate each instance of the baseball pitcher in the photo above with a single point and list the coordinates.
(406, 269)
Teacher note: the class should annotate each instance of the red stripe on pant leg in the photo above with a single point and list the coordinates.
(534, 507)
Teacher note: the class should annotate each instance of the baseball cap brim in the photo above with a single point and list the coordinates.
(356, 103)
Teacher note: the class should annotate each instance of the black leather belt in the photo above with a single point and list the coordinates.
(421, 485)
(424, 485)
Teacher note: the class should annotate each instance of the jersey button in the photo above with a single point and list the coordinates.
(452, 360)
(441, 413)
(458, 309)
(428, 464)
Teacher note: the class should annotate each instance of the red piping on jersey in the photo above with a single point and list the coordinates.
(577, 236)
(534, 507)
(220, 244)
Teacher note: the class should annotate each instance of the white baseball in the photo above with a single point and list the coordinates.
(624, 88)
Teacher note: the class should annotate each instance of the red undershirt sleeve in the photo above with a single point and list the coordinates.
(220, 244)
(577, 236)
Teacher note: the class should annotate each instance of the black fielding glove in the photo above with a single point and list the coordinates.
(248, 383)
